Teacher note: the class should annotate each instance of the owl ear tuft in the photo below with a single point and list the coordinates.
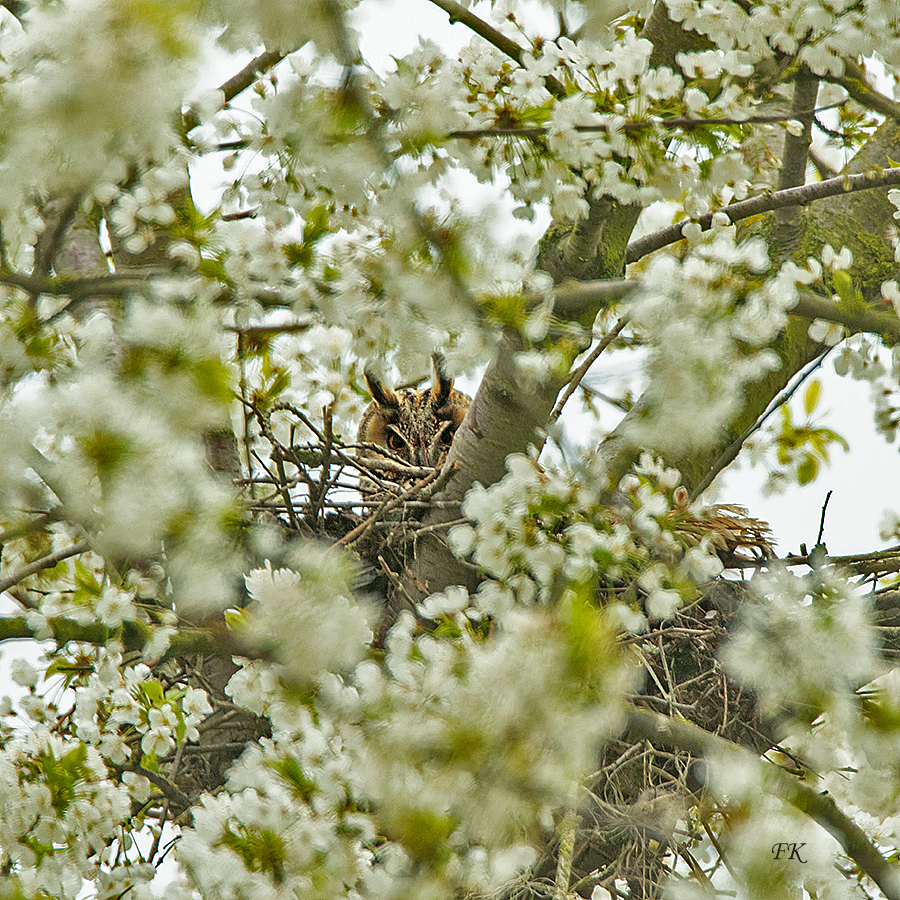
(443, 384)
(380, 392)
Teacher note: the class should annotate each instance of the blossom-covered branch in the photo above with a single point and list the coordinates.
(460, 13)
(681, 735)
(683, 123)
(743, 209)
(239, 82)
(46, 562)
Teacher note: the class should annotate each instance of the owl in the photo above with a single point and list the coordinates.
(416, 426)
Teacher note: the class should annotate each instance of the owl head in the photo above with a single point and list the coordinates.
(416, 425)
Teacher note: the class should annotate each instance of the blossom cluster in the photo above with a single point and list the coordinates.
(118, 703)
(459, 747)
(119, 430)
(540, 530)
(61, 813)
(820, 34)
(702, 318)
(615, 83)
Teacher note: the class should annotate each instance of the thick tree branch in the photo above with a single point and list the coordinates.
(83, 288)
(677, 734)
(882, 323)
(595, 246)
(580, 301)
(854, 82)
(796, 151)
(211, 640)
(506, 415)
(744, 209)
(61, 216)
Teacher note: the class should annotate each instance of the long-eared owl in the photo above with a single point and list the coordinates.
(416, 426)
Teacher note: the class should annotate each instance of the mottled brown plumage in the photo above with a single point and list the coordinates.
(415, 426)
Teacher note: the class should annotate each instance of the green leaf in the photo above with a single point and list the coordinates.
(261, 849)
(316, 224)
(812, 395)
(843, 285)
(292, 772)
(807, 470)
(153, 691)
(85, 581)
(236, 619)
(832, 437)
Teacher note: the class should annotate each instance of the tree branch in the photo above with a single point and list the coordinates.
(459, 13)
(744, 209)
(810, 306)
(239, 82)
(796, 150)
(45, 562)
(854, 82)
(82, 288)
(577, 376)
(677, 734)
(684, 123)
(582, 300)
(214, 639)
(51, 240)
(169, 790)
(729, 454)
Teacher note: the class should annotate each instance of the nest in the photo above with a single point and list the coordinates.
(638, 818)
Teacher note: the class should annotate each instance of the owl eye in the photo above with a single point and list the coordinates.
(447, 435)
(394, 442)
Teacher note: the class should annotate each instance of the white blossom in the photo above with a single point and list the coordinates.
(23, 673)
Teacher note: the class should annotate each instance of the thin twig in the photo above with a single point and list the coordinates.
(533, 132)
(45, 562)
(684, 123)
(589, 360)
(822, 519)
(732, 450)
(37, 524)
(388, 505)
(170, 791)
(325, 467)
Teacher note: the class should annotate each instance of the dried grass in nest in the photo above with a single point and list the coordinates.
(729, 527)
